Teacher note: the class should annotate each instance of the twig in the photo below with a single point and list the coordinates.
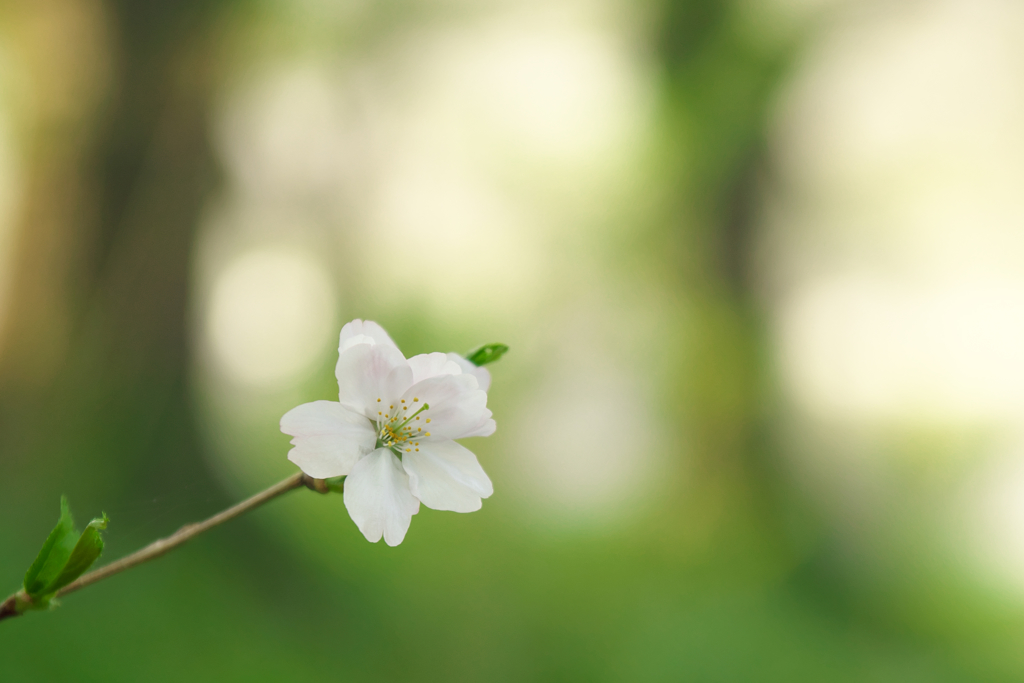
(12, 608)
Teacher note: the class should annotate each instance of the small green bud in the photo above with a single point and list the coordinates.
(488, 353)
(64, 557)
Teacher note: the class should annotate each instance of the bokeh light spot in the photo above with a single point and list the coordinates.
(271, 314)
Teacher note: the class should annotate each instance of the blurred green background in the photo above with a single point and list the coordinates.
(760, 263)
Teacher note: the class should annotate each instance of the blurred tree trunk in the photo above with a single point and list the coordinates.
(94, 357)
(59, 79)
(719, 82)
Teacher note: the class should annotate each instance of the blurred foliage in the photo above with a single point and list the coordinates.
(733, 577)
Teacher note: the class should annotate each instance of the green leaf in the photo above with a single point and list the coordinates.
(65, 556)
(488, 353)
(54, 555)
(87, 550)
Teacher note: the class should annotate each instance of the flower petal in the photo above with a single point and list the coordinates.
(378, 498)
(483, 375)
(366, 373)
(427, 365)
(485, 427)
(457, 407)
(363, 332)
(447, 476)
(328, 438)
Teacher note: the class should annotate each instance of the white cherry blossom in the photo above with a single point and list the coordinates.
(392, 432)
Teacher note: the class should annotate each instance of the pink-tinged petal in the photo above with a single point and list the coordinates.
(378, 498)
(446, 476)
(457, 406)
(483, 376)
(363, 332)
(328, 438)
(427, 365)
(366, 373)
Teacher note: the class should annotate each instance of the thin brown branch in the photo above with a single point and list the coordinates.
(9, 608)
(186, 533)
(16, 604)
